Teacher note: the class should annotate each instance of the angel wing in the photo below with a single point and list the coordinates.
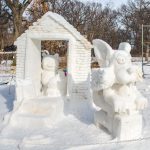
(103, 52)
(102, 78)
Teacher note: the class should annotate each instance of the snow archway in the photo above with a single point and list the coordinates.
(52, 27)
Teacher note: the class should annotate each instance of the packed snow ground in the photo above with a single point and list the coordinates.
(71, 132)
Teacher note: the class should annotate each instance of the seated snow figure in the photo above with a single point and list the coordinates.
(53, 80)
(115, 93)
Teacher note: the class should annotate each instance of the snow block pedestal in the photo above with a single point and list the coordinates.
(121, 126)
(127, 127)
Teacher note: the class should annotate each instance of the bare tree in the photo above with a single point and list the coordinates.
(132, 16)
(16, 10)
(4, 21)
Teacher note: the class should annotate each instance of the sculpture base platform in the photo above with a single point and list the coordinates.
(127, 127)
(123, 127)
(39, 112)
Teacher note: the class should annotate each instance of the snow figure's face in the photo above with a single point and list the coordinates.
(121, 59)
(50, 62)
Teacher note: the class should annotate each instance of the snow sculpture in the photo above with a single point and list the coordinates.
(114, 91)
(53, 80)
(52, 26)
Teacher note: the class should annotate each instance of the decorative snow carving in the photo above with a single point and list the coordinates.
(114, 90)
(53, 80)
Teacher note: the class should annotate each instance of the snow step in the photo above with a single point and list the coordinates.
(28, 121)
(38, 113)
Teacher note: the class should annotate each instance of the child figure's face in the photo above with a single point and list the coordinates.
(50, 63)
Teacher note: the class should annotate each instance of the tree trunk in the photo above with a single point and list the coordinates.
(1, 40)
(17, 21)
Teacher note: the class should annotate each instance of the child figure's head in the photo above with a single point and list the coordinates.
(50, 62)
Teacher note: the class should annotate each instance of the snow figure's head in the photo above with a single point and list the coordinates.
(121, 58)
(118, 60)
(50, 62)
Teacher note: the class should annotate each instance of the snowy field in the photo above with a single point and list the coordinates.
(71, 132)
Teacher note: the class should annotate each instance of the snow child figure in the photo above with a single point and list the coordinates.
(53, 80)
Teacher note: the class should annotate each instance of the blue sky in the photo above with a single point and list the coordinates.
(115, 3)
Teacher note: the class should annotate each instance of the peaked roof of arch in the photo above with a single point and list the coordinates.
(61, 21)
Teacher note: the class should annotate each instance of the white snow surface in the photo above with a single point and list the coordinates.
(71, 131)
